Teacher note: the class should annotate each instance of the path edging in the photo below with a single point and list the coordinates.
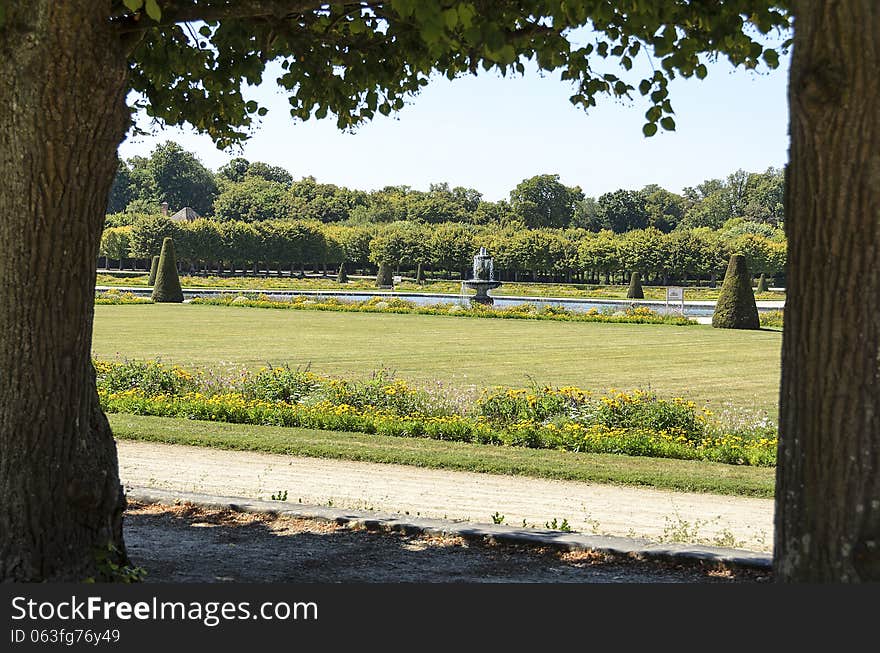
(370, 520)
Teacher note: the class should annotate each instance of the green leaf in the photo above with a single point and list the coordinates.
(668, 123)
(153, 11)
(262, 111)
(772, 58)
(701, 71)
(451, 18)
(649, 129)
(644, 87)
(133, 5)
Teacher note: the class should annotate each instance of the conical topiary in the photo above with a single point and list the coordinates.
(167, 287)
(736, 308)
(342, 276)
(762, 284)
(385, 278)
(154, 266)
(635, 287)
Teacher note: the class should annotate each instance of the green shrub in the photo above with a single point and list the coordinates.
(762, 284)
(635, 287)
(384, 278)
(342, 276)
(154, 267)
(167, 286)
(736, 308)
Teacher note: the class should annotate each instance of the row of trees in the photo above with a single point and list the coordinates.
(533, 254)
(255, 191)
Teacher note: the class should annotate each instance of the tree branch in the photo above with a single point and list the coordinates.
(182, 11)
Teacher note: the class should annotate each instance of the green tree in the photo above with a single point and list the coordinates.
(122, 191)
(93, 55)
(181, 179)
(252, 200)
(148, 234)
(664, 209)
(544, 201)
(234, 171)
(309, 200)
(268, 172)
(115, 244)
(622, 210)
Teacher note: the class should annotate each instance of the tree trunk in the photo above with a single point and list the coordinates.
(62, 117)
(828, 476)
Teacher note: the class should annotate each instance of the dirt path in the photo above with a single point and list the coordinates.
(602, 509)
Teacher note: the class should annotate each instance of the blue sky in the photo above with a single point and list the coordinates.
(490, 133)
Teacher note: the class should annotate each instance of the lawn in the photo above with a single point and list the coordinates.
(680, 475)
(720, 367)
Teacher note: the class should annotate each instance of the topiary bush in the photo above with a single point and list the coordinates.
(385, 278)
(762, 284)
(167, 286)
(635, 287)
(342, 275)
(736, 308)
(154, 266)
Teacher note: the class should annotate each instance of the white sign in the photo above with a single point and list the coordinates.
(674, 294)
(397, 279)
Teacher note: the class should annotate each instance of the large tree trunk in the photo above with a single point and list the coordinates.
(62, 117)
(828, 478)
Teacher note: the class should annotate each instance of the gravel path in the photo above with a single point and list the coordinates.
(191, 544)
(591, 508)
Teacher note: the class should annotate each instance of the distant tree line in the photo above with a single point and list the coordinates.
(254, 192)
(446, 249)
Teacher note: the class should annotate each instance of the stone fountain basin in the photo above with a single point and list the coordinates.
(477, 283)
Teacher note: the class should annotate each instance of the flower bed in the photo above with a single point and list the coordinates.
(635, 423)
(115, 297)
(637, 315)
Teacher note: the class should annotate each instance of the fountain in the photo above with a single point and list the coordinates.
(483, 278)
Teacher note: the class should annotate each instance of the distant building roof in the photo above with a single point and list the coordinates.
(185, 214)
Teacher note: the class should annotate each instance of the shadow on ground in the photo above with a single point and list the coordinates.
(186, 543)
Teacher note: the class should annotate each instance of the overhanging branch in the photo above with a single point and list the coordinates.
(181, 11)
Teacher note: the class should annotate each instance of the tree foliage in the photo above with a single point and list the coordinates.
(389, 49)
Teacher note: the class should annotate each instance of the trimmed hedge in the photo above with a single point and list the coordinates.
(384, 278)
(167, 288)
(736, 308)
(635, 287)
(154, 267)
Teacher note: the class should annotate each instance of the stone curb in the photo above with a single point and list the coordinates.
(369, 520)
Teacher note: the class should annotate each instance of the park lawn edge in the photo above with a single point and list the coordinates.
(659, 473)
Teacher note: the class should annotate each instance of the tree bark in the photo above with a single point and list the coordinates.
(62, 117)
(828, 476)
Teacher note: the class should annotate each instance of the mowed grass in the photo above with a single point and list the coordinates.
(720, 367)
(678, 475)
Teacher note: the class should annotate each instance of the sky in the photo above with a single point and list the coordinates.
(490, 133)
